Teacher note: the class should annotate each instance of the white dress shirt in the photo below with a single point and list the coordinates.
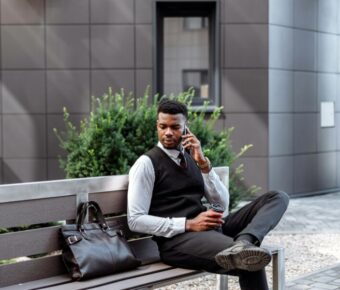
(141, 184)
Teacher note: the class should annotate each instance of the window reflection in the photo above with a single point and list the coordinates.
(186, 56)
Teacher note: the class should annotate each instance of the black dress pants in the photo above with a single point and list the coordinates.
(197, 250)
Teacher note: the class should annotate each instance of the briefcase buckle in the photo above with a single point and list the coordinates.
(73, 239)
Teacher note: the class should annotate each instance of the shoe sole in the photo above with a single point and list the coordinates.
(248, 259)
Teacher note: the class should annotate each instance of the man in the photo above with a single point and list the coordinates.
(166, 186)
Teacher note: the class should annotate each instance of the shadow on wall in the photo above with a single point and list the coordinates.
(24, 170)
(246, 77)
(24, 129)
(9, 175)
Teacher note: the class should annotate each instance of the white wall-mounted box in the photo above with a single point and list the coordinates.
(327, 116)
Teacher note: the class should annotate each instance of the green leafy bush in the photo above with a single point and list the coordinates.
(121, 128)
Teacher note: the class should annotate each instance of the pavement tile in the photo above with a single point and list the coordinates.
(324, 286)
(316, 288)
(299, 287)
(300, 217)
(323, 279)
(332, 273)
(304, 281)
(301, 211)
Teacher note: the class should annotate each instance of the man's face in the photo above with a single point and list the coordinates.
(170, 128)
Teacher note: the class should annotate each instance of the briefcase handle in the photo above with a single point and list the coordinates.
(85, 208)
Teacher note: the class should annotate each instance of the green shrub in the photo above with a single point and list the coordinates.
(121, 128)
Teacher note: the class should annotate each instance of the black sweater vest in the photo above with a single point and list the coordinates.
(177, 191)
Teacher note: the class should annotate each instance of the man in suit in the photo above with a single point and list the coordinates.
(166, 186)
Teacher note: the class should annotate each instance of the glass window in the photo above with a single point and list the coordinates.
(197, 79)
(192, 23)
(186, 49)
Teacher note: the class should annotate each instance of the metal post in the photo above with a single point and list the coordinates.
(222, 282)
(82, 197)
(279, 270)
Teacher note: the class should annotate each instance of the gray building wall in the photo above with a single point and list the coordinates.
(304, 67)
(279, 59)
(57, 53)
(245, 82)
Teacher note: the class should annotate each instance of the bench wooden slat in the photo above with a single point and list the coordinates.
(57, 188)
(37, 284)
(113, 201)
(145, 249)
(34, 269)
(117, 281)
(121, 223)
(13, 214)
(151, 279)
(42, 240)
(141, 271)
(45, 240)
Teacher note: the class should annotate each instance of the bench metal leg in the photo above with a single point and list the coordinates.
(222, 282)
(279, 270)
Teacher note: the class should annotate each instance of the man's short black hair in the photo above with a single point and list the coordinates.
(172, 107)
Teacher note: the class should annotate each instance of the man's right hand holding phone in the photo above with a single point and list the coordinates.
(191, 143)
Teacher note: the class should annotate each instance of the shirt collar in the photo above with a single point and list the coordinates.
(171, 152)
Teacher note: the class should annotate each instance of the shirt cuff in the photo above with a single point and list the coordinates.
(210, 175)
(178, 225)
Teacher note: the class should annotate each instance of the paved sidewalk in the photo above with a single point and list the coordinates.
(318, 214)
(328, 278)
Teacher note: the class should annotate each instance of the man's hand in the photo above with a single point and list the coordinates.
(205, 221)
(191, 143)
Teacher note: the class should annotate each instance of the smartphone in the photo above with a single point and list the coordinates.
(184, 132)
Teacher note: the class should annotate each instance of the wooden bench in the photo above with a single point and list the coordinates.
(54, 201)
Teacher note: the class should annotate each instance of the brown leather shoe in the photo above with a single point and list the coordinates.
(243, 255)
